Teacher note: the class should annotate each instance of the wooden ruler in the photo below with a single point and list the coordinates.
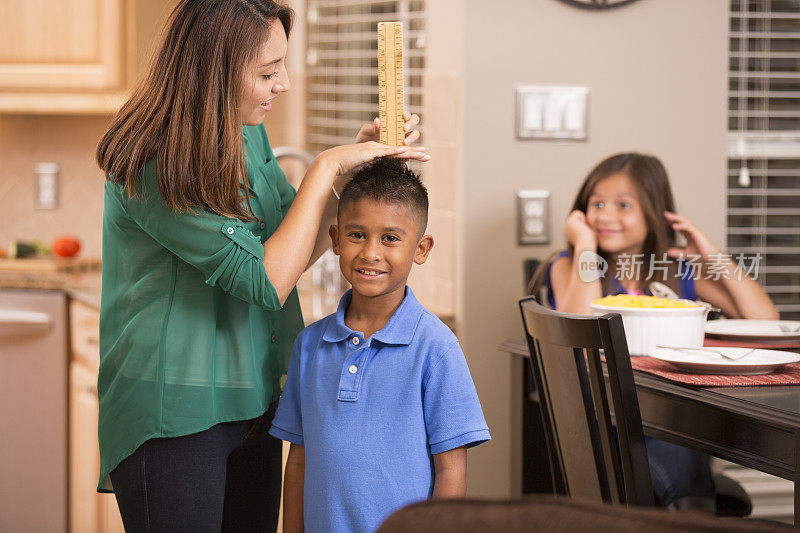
(390, 82)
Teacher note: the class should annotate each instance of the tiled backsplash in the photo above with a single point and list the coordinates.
(69, 141)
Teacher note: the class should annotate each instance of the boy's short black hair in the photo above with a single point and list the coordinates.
(389, 180)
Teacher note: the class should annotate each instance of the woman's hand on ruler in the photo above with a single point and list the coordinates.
(371, 131)
(697, 243)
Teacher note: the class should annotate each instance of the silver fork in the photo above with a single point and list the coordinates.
(726, 356)
(789, 329)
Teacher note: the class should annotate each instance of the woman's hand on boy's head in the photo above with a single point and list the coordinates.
(372, 130)
(344, 161)
(697, 243)
(348, 159)
(578, 231)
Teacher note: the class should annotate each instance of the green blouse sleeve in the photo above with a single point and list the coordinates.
(227, 253)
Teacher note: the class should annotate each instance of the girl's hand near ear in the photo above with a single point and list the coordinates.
(571, 291)
(578, 232)
(728, 288)
(372, 130)
(697, 243)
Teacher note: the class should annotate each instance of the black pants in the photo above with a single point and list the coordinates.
(227, 478)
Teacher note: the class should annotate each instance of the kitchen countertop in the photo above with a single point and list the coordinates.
(81, 286)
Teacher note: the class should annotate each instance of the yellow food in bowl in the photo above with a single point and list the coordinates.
(650, 302)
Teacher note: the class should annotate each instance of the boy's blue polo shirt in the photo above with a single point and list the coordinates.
(370, 412)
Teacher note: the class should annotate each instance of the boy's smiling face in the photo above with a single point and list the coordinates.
(377, 243)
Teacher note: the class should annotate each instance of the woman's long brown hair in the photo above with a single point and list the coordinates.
(185, 111)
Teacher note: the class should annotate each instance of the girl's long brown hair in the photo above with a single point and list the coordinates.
(185, 111)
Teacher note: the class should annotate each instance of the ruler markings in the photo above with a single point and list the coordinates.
(390, 82)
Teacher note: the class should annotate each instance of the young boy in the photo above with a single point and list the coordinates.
(379, 404)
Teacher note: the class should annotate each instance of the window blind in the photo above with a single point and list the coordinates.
(763, 195)
(342, 64)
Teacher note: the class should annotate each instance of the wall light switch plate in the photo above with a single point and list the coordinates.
(533, 217)
(552, 112)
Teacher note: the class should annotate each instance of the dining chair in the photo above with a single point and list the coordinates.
(557, 515)
(588, 457)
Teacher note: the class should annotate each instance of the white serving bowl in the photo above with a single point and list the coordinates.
(645, 327)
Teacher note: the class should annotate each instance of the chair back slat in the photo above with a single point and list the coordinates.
(605, 427)
(629, 419)
(554, 456)
(592, 460)
(573, 442)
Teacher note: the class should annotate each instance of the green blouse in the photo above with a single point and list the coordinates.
(191, 330)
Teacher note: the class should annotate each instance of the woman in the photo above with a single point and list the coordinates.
(203, 243)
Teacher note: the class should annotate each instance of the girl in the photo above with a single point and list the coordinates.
(624, 213)
(203, 243)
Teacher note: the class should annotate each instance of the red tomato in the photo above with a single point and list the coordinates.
(65, 246)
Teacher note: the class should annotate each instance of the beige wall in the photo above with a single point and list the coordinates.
(70, 142)
(657, 75)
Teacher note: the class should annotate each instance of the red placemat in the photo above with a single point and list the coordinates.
(786, 375)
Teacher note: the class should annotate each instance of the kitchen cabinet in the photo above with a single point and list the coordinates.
(70, 44)
(84, 464)
(89, 511)
(73, 56)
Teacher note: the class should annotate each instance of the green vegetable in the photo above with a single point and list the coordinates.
(21, 249)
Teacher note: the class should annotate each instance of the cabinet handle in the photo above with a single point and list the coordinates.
(18, 322)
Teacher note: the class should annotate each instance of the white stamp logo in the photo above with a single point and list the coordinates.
(591, 266)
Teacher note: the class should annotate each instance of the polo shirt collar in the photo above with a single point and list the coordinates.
(399, 330)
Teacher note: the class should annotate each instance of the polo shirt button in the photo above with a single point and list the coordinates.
(273, 338)
(230, 231)
(353, 369)
(262, 225)
(355, 341)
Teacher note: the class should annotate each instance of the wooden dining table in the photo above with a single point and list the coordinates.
(757, 426)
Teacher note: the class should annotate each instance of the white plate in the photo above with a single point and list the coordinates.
(754, 329)
(758, 362)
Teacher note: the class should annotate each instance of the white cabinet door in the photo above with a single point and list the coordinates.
(69, 44)
(84, 469)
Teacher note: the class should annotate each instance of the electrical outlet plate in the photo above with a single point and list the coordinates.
(533, 214)
(46, 185)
